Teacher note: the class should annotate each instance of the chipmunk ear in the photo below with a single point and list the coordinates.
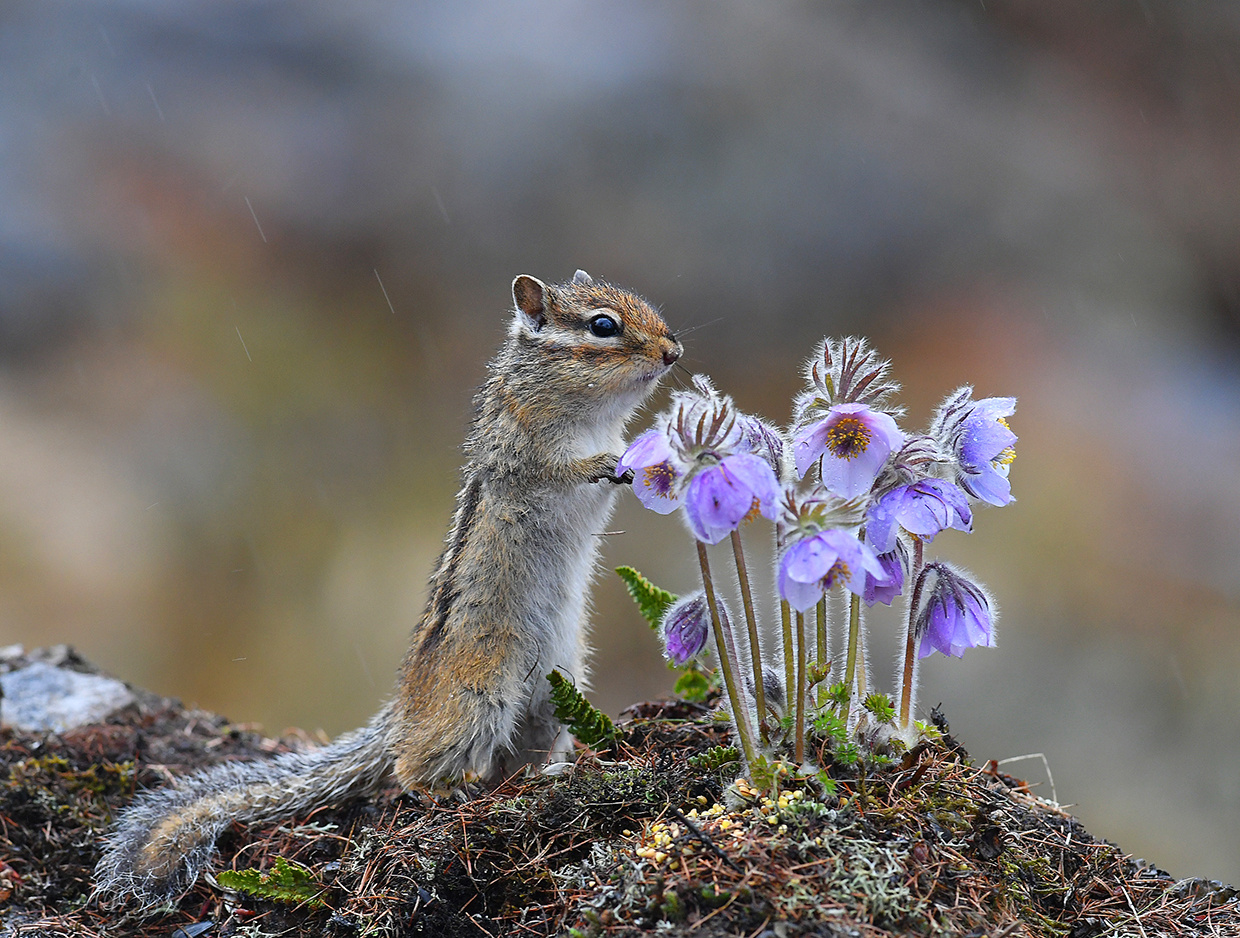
(581, 278)
(530, 295)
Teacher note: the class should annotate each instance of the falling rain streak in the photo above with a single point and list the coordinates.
(254, 215)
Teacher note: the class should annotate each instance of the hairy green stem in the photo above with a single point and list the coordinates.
(790, 661)
(910, 640)
(854, 629)
(751, 623)
(726, 653)
(822, 650)
(800, 705)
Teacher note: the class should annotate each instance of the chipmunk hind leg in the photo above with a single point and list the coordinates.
(166, 838)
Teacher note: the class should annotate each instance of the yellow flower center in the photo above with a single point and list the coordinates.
(848, 438)
(753, 512)
(659, 477)
(1006, 456)
(837, 574)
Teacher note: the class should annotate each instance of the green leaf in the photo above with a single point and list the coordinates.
(585, 721)
(288, 882)
(837, 693)
(827, 783)
(829, 725)
(881, 706)
(692, 685)
(651, 600)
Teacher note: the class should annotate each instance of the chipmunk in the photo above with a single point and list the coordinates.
(507, 600)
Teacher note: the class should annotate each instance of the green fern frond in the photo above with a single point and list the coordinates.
(584, 720)
(288, 882)
(651, 600)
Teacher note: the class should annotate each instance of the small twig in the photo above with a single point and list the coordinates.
(704, 839)
(1136, 918)
(1045, 764)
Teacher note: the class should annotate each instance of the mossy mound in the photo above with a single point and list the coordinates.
(656, 838)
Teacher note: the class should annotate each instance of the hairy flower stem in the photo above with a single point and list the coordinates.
(854, 629)
(910, 639)
(821, 651)
(751, 622)
(790, 661)
(726, 653)
(800, 704)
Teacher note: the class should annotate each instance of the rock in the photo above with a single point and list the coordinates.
(40, 698)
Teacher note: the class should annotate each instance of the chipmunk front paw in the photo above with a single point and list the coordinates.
(603, 469)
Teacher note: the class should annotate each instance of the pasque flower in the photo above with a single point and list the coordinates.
(852, 442)
(686, 625)
(987, 450)
(705, 455)
(923, 508)
(977, 434)
(814, 564)
(656, 469)
(956, 614)
(718, 498)
(878, 590)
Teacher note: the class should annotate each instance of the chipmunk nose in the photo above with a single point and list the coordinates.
(672, 353)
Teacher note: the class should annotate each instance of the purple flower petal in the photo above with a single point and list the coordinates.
(801, 596)
(655, 477)
(649, 448)
(808, 445)
(957, 615)
(881, 526)
(808, 560)
(884, 591)
(754, 473)
(714, 505)
(686, 626)
(720, 497)
(924, 508)
(814, 564)
(994, 488)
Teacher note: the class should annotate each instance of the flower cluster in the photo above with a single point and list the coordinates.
(705, 456)
(854, 499)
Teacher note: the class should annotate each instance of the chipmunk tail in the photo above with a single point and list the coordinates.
(166, 838)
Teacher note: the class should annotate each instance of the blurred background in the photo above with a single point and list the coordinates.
(255, 255)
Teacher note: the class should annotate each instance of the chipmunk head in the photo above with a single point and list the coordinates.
(608, 342)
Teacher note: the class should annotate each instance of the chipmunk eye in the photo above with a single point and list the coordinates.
(604, 326)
